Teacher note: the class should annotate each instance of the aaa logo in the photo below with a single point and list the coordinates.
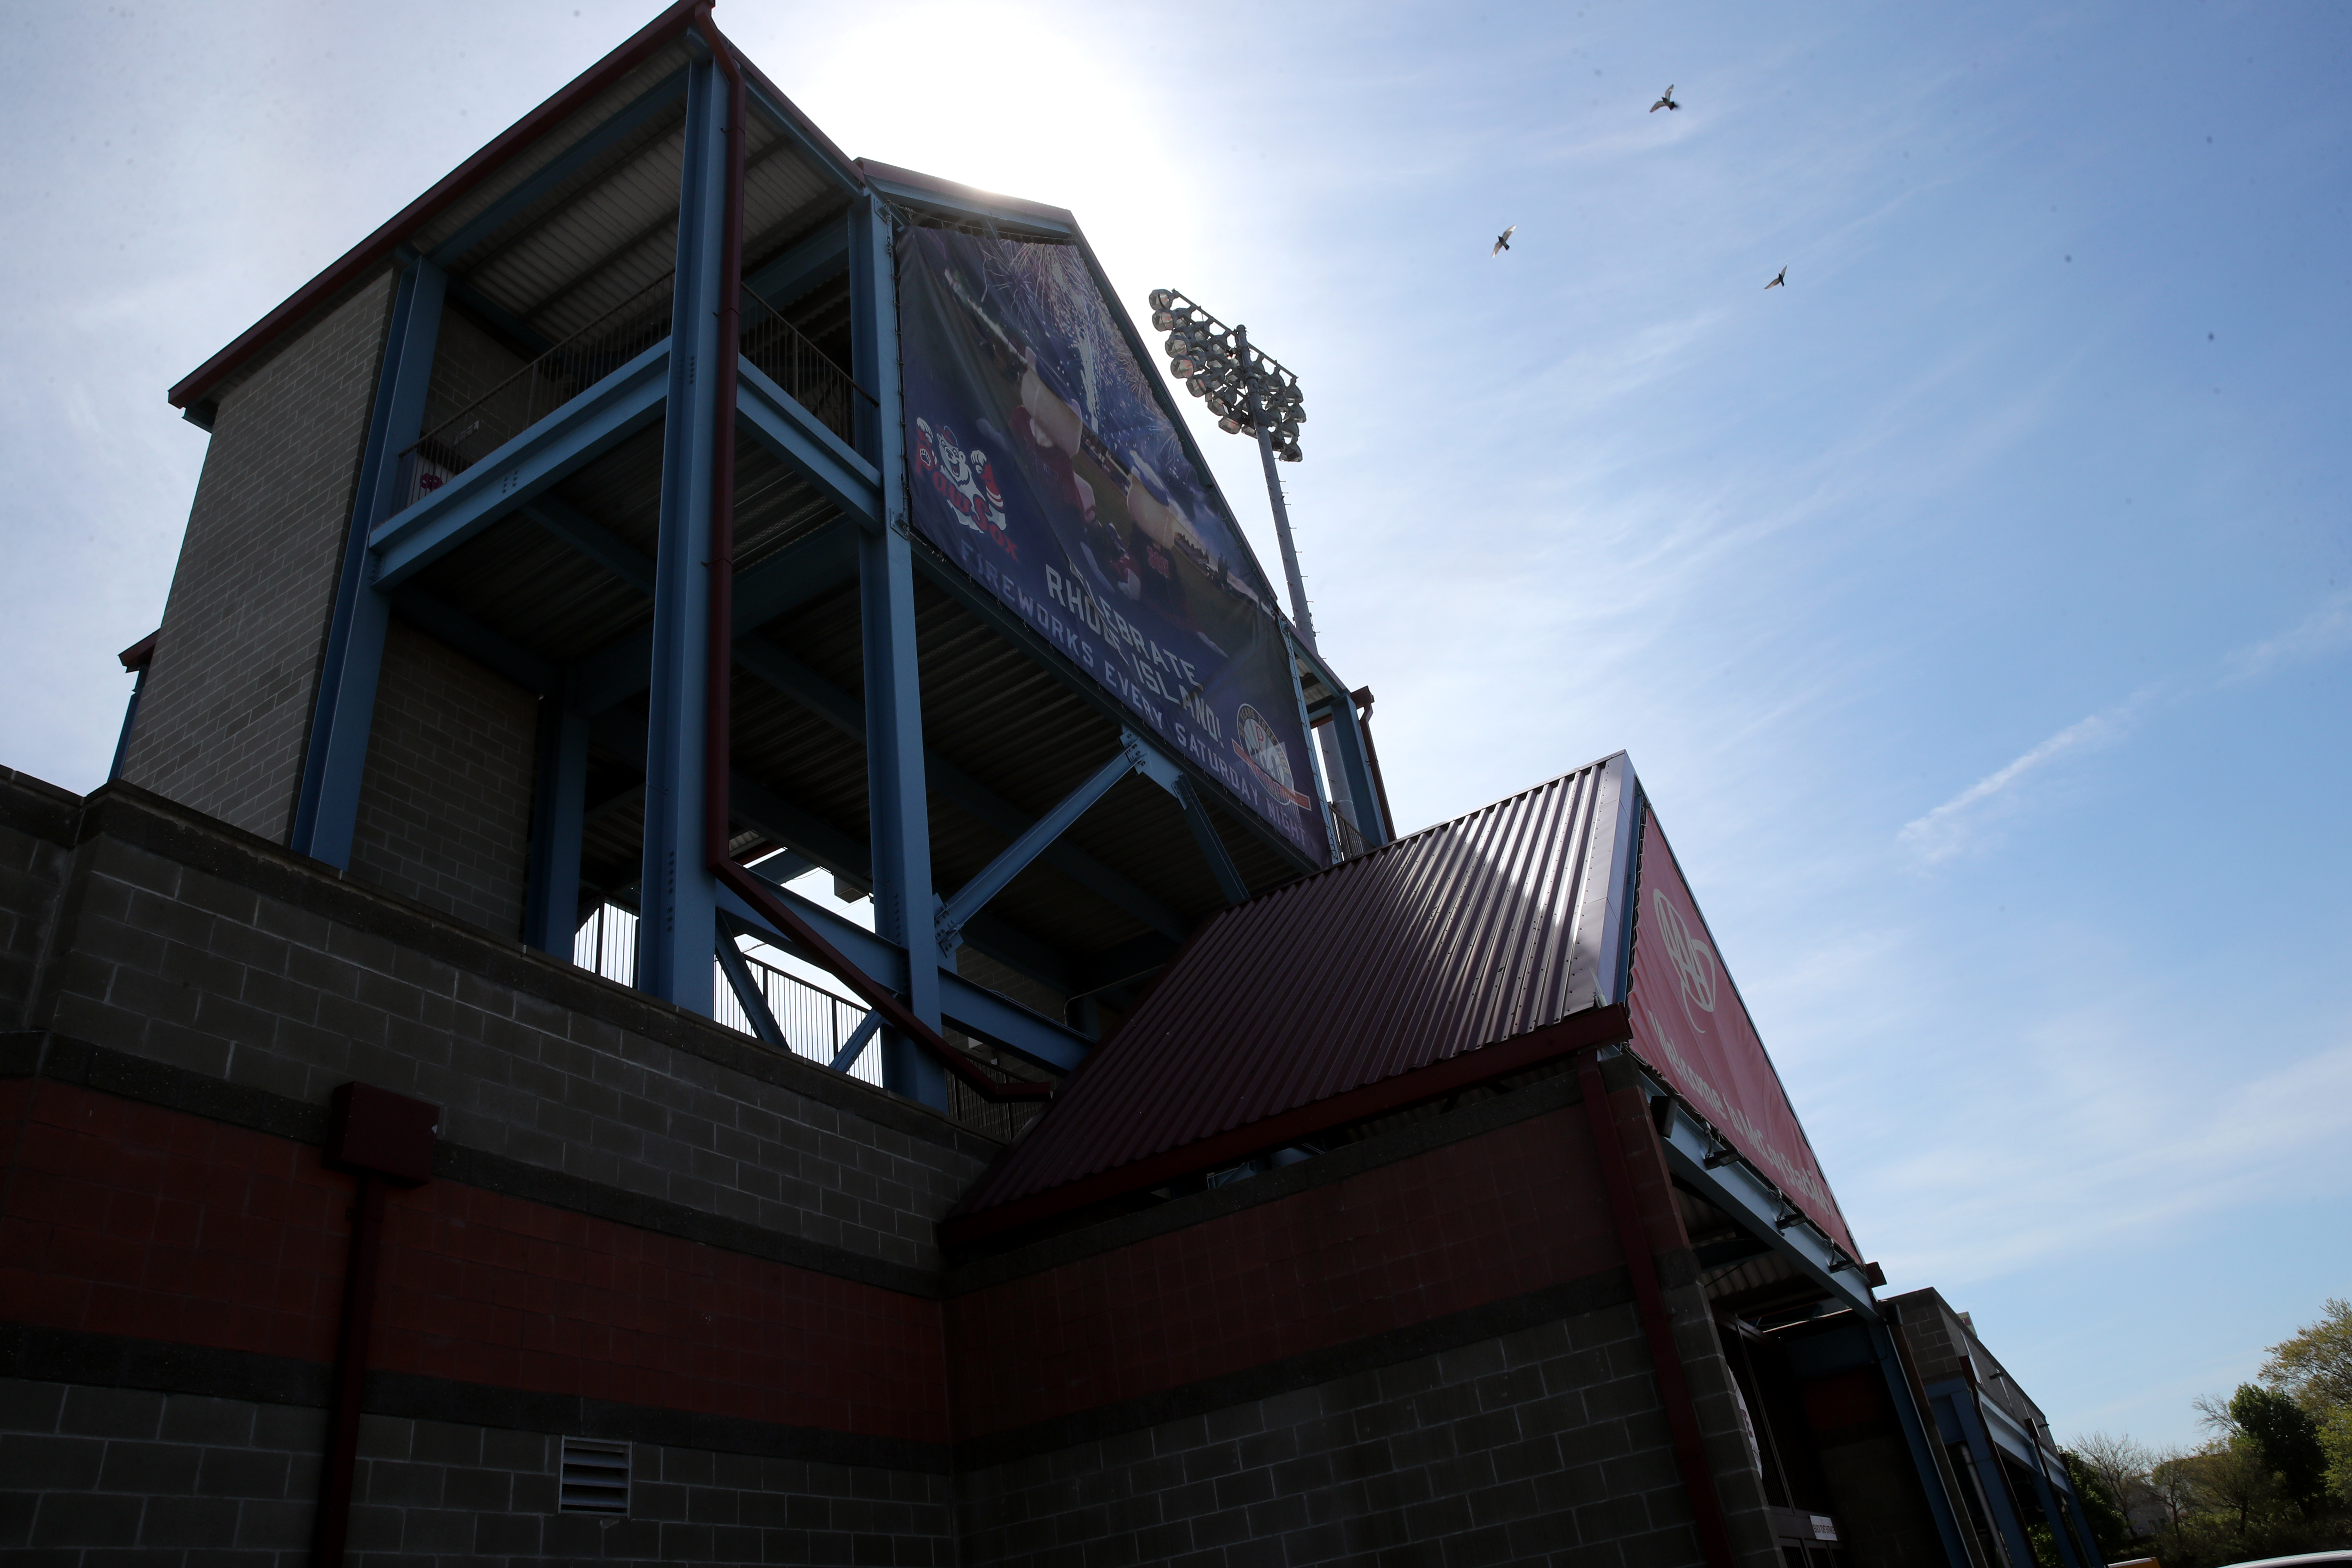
(1692, 959)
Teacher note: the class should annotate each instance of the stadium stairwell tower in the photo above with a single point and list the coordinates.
(574, 540)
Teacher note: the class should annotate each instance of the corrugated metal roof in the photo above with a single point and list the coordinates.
(1465, 934)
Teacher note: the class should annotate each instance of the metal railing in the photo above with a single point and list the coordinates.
(816, 1022)
(797, 367)
(535, 391)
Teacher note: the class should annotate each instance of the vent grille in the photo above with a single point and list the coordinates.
(595, 1476)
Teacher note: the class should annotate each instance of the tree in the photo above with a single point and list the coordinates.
(2315, 1366)
(2234, 1478)
(2335, 1438)
(2111, 1531)
(2287, 1439)
(2121, 1464)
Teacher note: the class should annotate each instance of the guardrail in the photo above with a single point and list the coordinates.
(535, 391)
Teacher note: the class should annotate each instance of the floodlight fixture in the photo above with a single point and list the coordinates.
(1251, 394)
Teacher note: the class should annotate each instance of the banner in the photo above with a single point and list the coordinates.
(1691, 1025)
(1044, 465)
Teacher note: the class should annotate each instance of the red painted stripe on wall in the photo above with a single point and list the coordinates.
(122, 1218)
(1478, 1221)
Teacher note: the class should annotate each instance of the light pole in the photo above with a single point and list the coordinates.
(1249, 390)
(1252, 392)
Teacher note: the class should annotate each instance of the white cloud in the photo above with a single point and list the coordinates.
(2325, 631)
(1945, 831)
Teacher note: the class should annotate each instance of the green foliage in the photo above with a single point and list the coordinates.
(2109, 1529)
(2287, 1440)
(2315, 1367)
(2336, 1441)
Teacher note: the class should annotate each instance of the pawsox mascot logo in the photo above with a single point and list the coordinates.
(1255, 743)
(1692, 959)
(964, 480)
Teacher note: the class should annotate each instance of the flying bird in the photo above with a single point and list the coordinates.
(1665, 100)
(1503, 240)
(1780, 279)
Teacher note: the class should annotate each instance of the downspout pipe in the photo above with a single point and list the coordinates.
(717, 759)
(1707, 1516)
(717, 685)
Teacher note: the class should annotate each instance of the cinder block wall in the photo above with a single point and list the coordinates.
(226, 713)
(642, 1227)
(445, 806)
(1421, 1345)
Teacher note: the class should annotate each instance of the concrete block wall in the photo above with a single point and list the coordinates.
(226, 713)
(34, 862)
(1421, 1348)
(445, 805)
(1542, 1446)
(111, 1476)
(183, 944)
(642, 1227)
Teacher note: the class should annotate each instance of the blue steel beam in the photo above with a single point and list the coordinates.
(1740, 1191)
(565, 164)
(1918, 1438)
(805, 444)
(1958, 1400)
(990, 879)
(747, 994)
(854, 1047)
(974, 1009)
(901, 836)
(1211, 846)
(326, 808)
(1314, 753)
(559, 814)
(593, 540)
(609, 412)
(816, 842)
(677, 899)
(796, 681)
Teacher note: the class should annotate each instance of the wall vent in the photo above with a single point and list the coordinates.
(595, 1476)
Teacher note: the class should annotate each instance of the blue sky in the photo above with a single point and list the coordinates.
(1977, 609)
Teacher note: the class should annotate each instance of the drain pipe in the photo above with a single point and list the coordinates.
(718, 758)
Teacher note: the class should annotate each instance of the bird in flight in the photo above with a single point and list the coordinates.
(1503, 240)
(1665, 100)
(1780, 279)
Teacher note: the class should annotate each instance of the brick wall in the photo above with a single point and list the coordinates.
(445, 808)
(136, 1222)
(182, 943)
(469, 364)
(92, 1476)
(33, 833)
(226, 712)
(1420, 1347)
(1541, 1445)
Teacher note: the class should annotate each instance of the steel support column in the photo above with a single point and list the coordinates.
(902, 834)
(1961, 1401)
(678, 927)
(1314, 762)
(558, 810)
(1355, 769)
(326, 811)
(1919, 1437)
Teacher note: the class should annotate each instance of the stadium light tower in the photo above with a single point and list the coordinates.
(1250, 392)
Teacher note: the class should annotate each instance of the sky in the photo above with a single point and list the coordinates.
(1977, 610)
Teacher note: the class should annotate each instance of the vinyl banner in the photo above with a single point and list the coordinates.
(1690, 1024)
(1044, 464)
